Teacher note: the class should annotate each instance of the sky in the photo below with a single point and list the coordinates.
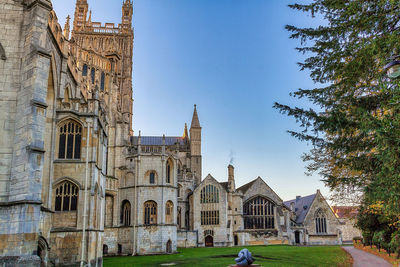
(234, 59)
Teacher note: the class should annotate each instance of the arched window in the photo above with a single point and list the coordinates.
(150, 212)
(69, 146)
(209, 194)
(126, 213)
(66, 197)
(209, 199)
(320, 222)
(102, 78)
(187, 222)
(152, 177)
(178, 217)
(169, 211)
(169, 171)
(92, 75)
(259, 214)
(84, 70)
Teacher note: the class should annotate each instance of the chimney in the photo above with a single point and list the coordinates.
(292, 206)
(231, 178)
(297, 198)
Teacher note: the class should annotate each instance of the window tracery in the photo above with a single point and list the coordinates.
(66, 198)
(126, 213)
(70, 136)
(150, 212)
(259, 214)
(320, 222)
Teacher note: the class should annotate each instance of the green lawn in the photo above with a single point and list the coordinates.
(264, 255)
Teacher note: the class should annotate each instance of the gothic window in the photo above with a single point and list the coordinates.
(320, 222)
(169, 171)
(209, 217)
(209, 194)
(102, 78)
(259, 214)
(178, 218)
(126, 213)
(169, 210)
(150, 212)
(69, 146)
(152, 177)
(209, 199)
(66, 197)
(187, 220)
(92, 74)
(84, 70)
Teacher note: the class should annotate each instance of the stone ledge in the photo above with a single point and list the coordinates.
(20, 202)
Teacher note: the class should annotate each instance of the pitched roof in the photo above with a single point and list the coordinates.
(302, 206)
(344, 212)
(195, 119)
(158, 140)
(246, 187)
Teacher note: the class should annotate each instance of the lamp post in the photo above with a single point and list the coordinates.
(393, 68)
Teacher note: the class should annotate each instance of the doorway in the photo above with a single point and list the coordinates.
(209, 241)
(169, 247)
(236, 240)
(297, 237)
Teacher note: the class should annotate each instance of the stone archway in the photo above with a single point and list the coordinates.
(42, 251)
(297, 237)
(169, 247)
(236, 240)
(209, 241)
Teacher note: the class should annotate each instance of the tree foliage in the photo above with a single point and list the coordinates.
(354, 125)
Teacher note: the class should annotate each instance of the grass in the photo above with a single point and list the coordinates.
(265, 255)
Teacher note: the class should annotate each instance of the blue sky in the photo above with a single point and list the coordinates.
(234, 59)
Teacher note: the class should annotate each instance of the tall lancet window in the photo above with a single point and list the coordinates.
(70, 136)
(320, 222)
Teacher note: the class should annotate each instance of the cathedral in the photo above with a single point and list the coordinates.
(77, 184)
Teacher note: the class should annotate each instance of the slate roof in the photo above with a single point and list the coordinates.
(246, 187)
(158, 140)
(302, 206)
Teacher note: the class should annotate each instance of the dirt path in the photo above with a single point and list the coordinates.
(365, 259)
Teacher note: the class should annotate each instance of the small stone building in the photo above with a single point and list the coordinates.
(347, 216)
(314, 221)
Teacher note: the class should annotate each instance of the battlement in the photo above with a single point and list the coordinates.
(110, 28)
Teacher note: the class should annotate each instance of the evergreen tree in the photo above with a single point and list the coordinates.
(355, 125)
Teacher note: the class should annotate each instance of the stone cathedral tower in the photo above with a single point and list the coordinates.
(66, 137)
(195, 146)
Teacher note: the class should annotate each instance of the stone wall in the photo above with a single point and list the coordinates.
(349, 230)
(222, 235)
(187, 239)
(153, 239)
